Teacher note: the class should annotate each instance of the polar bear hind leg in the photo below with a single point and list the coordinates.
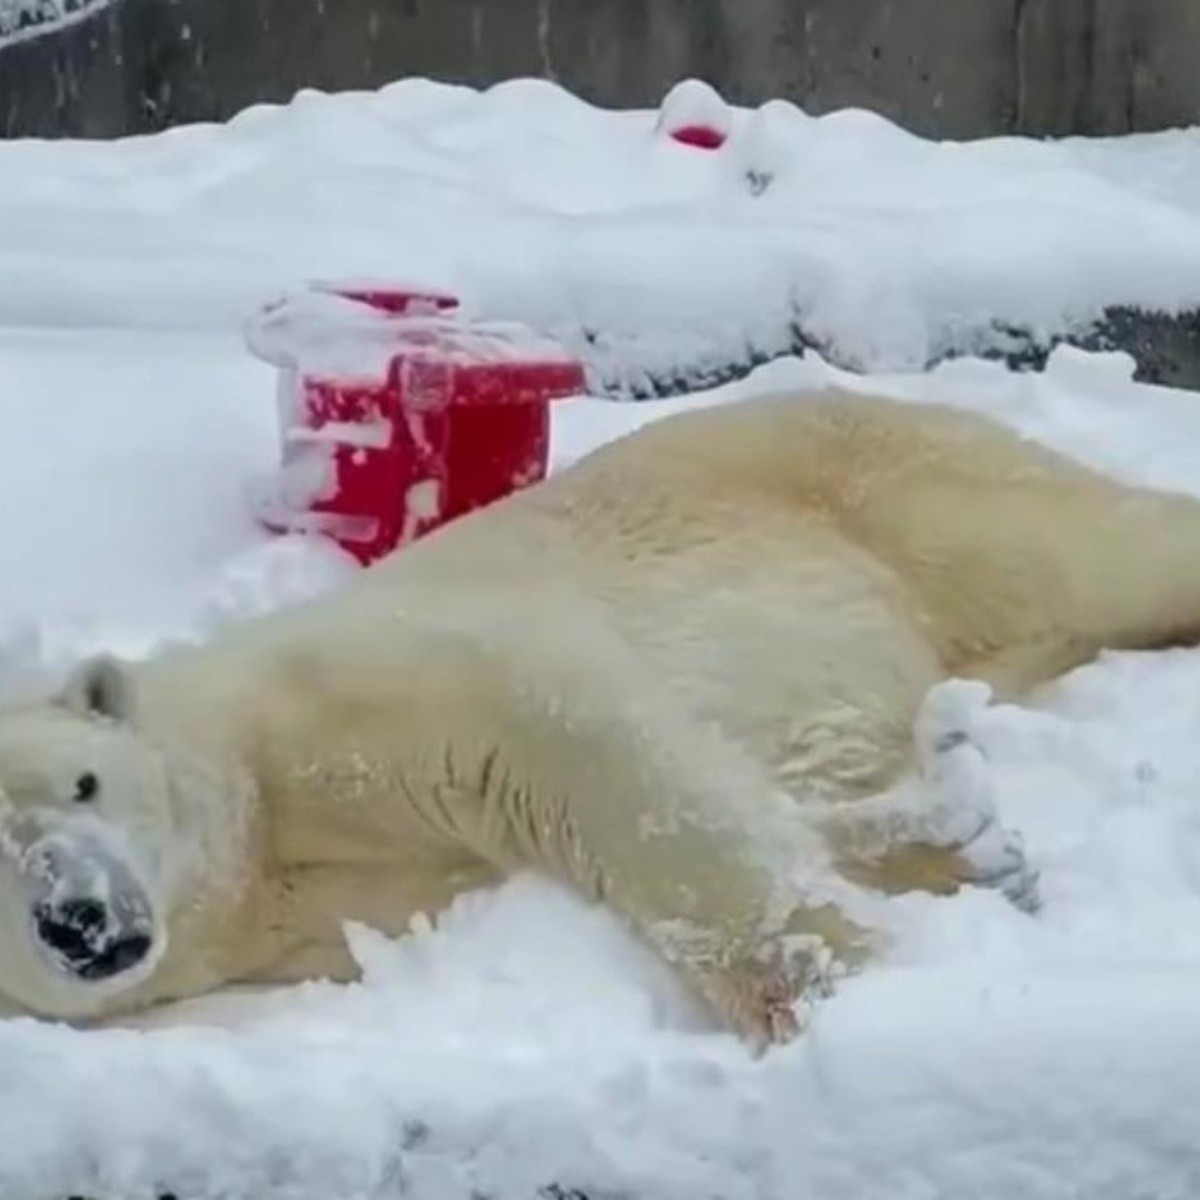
(937, 829)
(1026, 576)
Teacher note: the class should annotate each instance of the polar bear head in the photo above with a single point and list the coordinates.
(87, 834)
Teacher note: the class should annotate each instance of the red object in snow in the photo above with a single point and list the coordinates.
(694, 114)
(703, 137)
(398, 416)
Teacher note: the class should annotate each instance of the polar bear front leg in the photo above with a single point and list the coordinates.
(940, 829)
(680, 833)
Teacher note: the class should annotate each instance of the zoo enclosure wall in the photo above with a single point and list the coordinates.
(948, 68)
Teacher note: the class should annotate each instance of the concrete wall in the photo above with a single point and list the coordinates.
(955, 68)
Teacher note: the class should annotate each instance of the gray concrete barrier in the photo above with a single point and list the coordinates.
(955, 68)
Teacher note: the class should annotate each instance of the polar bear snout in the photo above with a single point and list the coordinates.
(88, 938)
(90, 917)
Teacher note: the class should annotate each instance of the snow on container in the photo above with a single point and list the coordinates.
(397, 415)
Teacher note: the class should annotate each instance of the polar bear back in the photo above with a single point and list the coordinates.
(940, 512)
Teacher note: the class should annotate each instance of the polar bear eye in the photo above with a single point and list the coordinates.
(86, 787)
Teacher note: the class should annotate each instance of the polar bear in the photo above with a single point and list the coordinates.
(682, 677)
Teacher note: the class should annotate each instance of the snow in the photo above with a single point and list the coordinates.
(23, 20)
(535, 206)
(522, 1045)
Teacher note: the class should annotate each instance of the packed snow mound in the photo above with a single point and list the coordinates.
(521, 1046)
(662, 264)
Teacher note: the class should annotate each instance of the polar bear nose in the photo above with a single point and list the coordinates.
(73, 928)
(81, 932)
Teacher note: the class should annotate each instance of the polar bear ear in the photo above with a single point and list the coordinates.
(99, 686)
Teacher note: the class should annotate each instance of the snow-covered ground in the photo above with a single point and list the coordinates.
(21, 20)
(524, 1043)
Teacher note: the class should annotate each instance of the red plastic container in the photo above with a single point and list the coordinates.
(398, 416)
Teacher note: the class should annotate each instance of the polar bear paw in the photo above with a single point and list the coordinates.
(961, 801)
(995, 858)
(766, 1000)
(769, 1016)
(759, 1005)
